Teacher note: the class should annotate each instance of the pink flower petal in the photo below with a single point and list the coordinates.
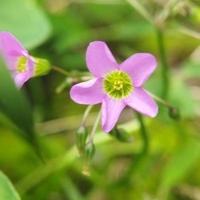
(21, 78)
(89, 92)
(99, 59)
(111, 110)
(11, 49)
(142, 102)
(139, 66)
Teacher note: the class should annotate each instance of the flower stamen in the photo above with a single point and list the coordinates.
(21, 64)
(118, 84)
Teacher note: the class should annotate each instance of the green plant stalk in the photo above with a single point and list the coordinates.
(86, 113)
(144, 134)
(61, 70)
(165, 70)
(137, 159)
(74, 74)
(141, 10)
(161, 101)
(94, 128)
(167, 10)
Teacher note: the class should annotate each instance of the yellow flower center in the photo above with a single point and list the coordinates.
(118, 84)
(22, 64)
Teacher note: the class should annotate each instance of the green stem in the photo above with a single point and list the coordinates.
(62, 86)
(167, 10)
(76, 75)
(60, 70)
(144, 134)
(141, 10)
(165, 68)
(172, 110)
(162, 101)
(86, 113)
(94, 128)
(137, 159)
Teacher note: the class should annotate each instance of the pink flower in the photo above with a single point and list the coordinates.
(116, 85)
(19, 62)
(21, 65)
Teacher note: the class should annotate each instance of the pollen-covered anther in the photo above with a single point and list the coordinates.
(118, 84)
(21, 64)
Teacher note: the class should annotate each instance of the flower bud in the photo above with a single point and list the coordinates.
(89, 150)
(42, 67)
(174, 113)
(81, 137)
(121, 135)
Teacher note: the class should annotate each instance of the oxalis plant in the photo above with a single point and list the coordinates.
(115, 85)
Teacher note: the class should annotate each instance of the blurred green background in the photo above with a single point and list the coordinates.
(42, 120)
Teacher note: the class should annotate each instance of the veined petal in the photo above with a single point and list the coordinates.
(11, 49)
(99, 59)
(140, 101)
(139, 66)
(89, 92)
(111, 110)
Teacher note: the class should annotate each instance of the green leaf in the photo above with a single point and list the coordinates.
(15, 107)
(181, 162)
(25, 20)
(65, 38)
(7, 191)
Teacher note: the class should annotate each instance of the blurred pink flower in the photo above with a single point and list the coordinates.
(116, 85)
(19, 62)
